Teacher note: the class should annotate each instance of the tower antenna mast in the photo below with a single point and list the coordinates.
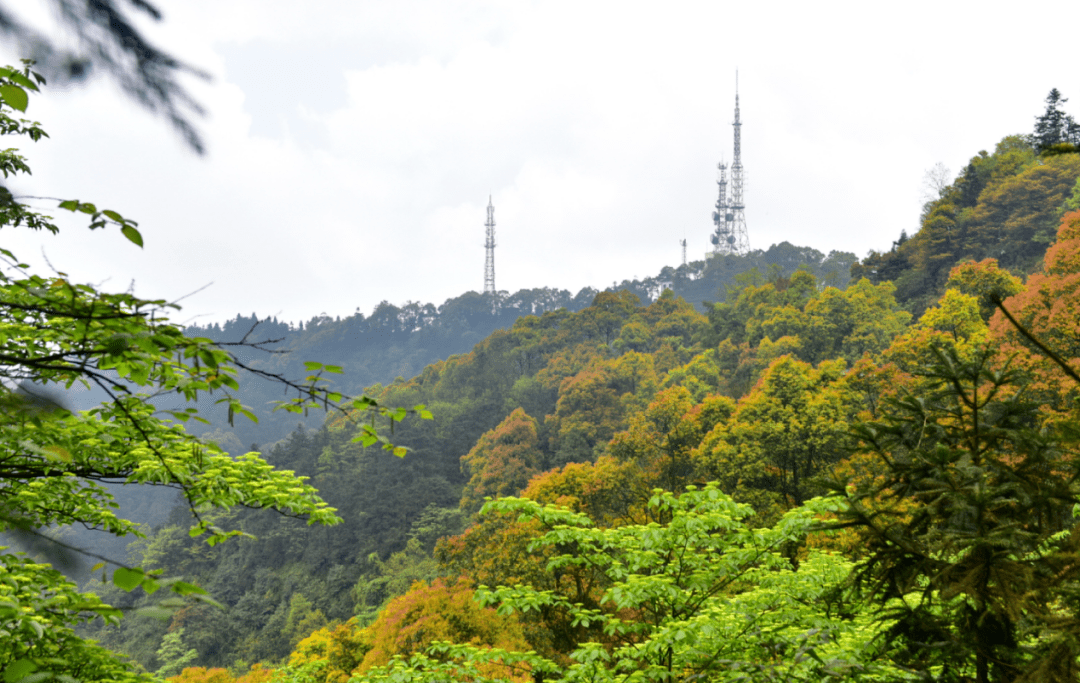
(489, 247)
(730, 236)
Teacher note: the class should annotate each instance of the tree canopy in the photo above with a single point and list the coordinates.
(56, 334)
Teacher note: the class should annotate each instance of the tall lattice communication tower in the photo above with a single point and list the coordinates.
(489, 246)
(730, 236)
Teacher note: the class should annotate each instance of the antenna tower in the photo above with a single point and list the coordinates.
(489, 246)
(730, 236)
(683, 243)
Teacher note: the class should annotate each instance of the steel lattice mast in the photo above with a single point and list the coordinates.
(722, 217)
(730, 236)
(489, 246)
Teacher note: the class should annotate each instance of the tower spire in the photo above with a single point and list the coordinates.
(489, 247)
(730, 236)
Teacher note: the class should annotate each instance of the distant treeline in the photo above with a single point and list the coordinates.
(399, 341)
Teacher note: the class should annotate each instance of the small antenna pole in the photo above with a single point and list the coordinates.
(489, 247)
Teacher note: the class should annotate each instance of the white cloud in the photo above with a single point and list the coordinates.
(353, 145)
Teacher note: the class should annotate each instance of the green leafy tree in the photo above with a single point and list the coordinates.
(1003, 206)
(39, 609)
(782, 435)
(395, 576)
(702, 596)
(172, 655)
(57, 334)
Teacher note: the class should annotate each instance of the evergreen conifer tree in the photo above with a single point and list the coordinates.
(1055, 127)
(969, 538)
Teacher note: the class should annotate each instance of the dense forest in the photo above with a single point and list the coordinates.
(783, 466)
(399, 341)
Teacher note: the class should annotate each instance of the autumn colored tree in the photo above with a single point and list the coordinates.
(442, 611)
(502, 461)
(701, 376)
(609, 490)
(501, 550)
(790, 316)
(594, 404)
(494, 550)
(1049, 308)
(202, 674)
(331, 654)
(740, 316)
(660, 439)
(668, 320)
(862, 319)
(603, 320)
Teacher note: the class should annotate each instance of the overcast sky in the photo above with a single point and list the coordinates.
(352, 146)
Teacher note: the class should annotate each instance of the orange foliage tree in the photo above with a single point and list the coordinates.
(608, 490)
(1049, 308)
(502, 461)
(201, 674)
(442, 611)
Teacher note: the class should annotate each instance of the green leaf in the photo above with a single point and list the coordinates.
(58, 452)
(18, 670)
(159, 613)
(128, 579)
(185, 588)
(132, 234)
(23, 81)
(14, 96)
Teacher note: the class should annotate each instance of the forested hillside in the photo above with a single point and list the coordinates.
(551, 391)
(747, 468)
(1005, 206)
(399, 341)
(784, 390)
